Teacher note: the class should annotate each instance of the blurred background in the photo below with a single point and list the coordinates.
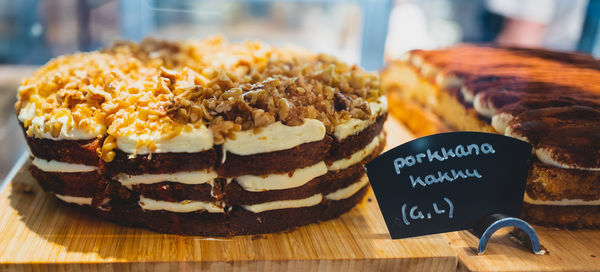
(366, 32)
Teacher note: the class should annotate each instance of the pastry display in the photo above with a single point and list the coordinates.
(203, 137)
(549, 99)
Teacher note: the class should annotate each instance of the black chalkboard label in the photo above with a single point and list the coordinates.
(449, 181)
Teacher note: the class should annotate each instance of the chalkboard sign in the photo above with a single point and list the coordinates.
(449, 181)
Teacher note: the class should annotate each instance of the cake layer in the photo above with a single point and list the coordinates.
(331, 181)
(80, 184)
(274, 162)
(161, 162)
(236, 222)
(575, 217)
(70, 151)
(176, 192)
(549, 183)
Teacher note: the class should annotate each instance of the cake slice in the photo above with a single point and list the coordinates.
(549, 99)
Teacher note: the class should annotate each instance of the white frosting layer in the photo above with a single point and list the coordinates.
(282, 181)
(75, 199)
(353, 125)
(285, 204)
(379, 106)
(275, 137)
(546, 156)
(358, 155)
(79, 200)
(191, 177)
(27, 112)
(563, 202)
(195, 140)
(63, 167)
(68, 129)
(181, 207)
(349, 191)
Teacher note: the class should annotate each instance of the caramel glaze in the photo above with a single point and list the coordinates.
(554, 97)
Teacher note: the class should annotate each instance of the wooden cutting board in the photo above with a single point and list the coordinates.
(37, 232)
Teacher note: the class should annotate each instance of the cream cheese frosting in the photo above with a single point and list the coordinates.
(191, 140)
(275, 137)
(182, 206)
(75, 199)
(349, 191)
(285, 204)
(63, 167)
(79, 200)
(187, 177)
(282, 181)
(358, 155)
(353, 125)
(40, 126)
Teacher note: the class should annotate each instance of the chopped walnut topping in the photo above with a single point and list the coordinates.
(138, 88)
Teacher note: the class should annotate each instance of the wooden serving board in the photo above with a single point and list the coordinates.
(37, 232)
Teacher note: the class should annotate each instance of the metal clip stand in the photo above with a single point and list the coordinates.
(486, 227)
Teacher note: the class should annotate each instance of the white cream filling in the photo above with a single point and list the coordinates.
(349, 191)
(282, 181)
(350, 127)
(353, 125)
(358, 155)
(546, 156)
(196, 140)
(285, 204)
(562, 202)
(191, 177)
(75, 199)
(63, 167)
(79, 200)
(68, 131)
(181, 207)
(27, 112)
(275, 137)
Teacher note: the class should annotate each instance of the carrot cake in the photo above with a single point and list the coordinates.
(203, 137)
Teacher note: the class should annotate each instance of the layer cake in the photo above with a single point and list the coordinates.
(549, 99)
(203, 137)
